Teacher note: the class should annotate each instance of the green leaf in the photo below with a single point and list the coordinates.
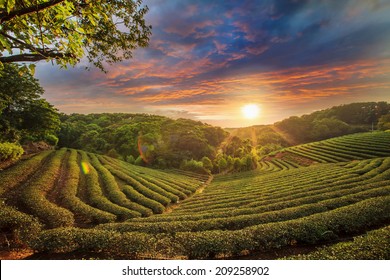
(10, 5)
(31, 67)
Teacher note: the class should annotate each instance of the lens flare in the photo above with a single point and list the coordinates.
(85, 167)
(142, 149)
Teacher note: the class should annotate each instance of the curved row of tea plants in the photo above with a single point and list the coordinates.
(345, 148)
(268, 200)
(375, 245)
(313, 229)
(75, 188)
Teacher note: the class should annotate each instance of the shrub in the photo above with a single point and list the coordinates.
(136, 196)
(113, 153)
(69, 197)
(130, 159)
(113, 192)
(51, 139)
(194, 166)
(139, 161)
(96, 196)
(10, 151)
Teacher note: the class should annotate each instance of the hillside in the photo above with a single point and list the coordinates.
(319, 125)
(118, 210)
(75, 188)
(340, 149)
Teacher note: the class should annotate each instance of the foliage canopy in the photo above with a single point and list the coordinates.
(24, 115)
(67, 30)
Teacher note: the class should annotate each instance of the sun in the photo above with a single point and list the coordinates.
(250, 111)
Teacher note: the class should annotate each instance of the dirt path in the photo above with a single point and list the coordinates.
(209, 180)
(54, 195)
(172, 207)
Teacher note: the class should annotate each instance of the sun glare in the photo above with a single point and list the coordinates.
(250, 111)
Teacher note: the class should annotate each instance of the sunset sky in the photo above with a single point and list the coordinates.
(207, 59)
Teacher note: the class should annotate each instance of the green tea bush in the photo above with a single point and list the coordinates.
(155, 206)
(316, 228)
(51, 139)
(375, 245)
(139, 187)
(21, 227)
(114, 193)
(65, 240)
(147, 184)
(69, 197)
(17, 174)
(96, 196)
(34, 195)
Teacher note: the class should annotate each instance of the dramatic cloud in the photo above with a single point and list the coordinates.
(208, 58)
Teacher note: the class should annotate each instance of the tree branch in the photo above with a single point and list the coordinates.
(4, 16)
(32, 57)
(21, 43)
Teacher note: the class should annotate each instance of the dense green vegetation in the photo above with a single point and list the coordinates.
(336, 121)
(95, 203)
(10, 151)
(68, 187)
(375, 245)
(96, 194)
(24, 114)
(147, 140)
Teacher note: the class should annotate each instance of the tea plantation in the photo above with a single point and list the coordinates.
(319, 195)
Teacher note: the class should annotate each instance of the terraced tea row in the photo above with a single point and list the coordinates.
(375, 245)
(312, 229)
(265, 199)
(345, 148)
(69, 187)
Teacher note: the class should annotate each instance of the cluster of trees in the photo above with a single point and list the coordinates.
(264, 139)
(336, 121)
(158, 141)
(24, 114)
(140, 138)
(221, 163)
(384, 122)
